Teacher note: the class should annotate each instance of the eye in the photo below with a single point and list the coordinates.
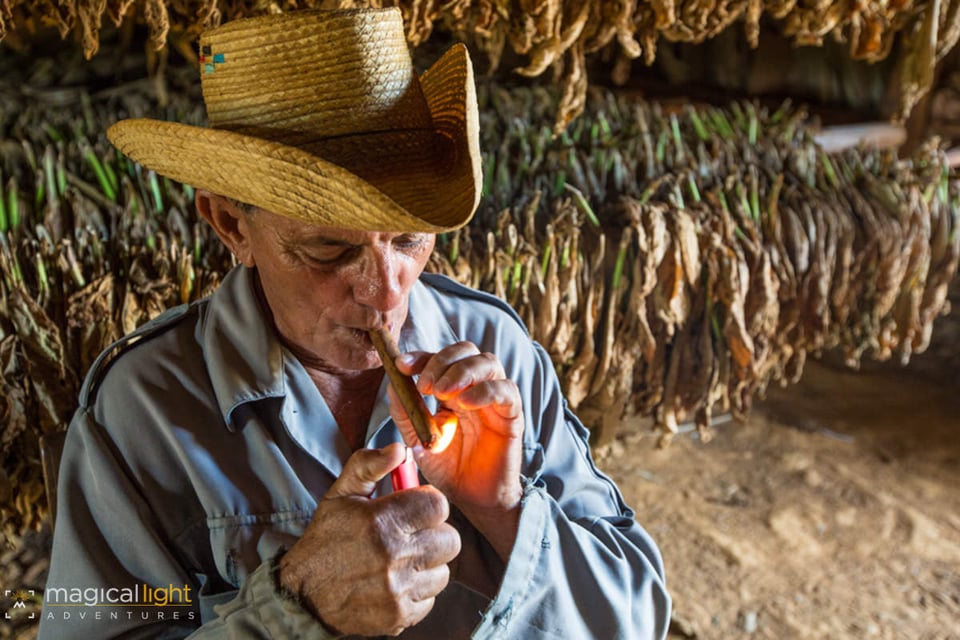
(327, 255)
(409, 242)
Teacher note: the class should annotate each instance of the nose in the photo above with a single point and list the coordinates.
(378, 283)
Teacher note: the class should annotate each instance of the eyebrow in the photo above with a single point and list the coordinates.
(292, 244)
(325, 241)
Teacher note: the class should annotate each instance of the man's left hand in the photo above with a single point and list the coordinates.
(479, 471)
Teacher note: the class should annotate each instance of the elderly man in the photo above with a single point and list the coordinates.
(227, 472)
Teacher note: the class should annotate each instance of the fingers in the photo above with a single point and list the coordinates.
(413, 594)
(496, 402)
(434, 547)
(372, 566)
(424, 585)
(364, 469)
(415, 509)
(451, 370)
(410, 614)
(367, 572)
(500, 396)
(412, 363)
(465, 380)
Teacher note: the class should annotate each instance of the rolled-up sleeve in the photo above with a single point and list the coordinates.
(260, 612)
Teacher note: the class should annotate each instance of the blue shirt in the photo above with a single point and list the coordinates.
(201, 447)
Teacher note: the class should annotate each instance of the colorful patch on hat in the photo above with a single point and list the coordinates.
(210, 60)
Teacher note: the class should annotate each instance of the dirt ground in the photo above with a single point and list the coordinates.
(831, 513)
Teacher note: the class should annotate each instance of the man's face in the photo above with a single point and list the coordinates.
(326, 286)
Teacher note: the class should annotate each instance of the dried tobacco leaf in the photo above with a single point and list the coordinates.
(53, 383)
(117, 10)
(579, 376)
(89, 14)
(574, 88)
(158, 20)
(90, 313)
(6, 17)
(919, 60)
(13, 400)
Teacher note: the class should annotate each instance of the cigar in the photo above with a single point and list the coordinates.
(405, 387)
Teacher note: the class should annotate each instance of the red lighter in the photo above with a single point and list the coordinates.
(405, 476)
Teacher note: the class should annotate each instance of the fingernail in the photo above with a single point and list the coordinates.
(407, 359)
(424, 384)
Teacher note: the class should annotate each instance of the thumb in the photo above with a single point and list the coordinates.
(364, 469)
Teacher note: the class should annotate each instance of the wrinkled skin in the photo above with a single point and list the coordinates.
(372, 566)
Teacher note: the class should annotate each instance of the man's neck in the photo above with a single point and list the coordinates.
(350, 397)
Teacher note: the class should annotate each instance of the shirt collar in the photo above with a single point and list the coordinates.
(246, 360)
(241, 351)
(426, 327)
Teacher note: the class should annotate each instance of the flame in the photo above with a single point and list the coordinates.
(447, 429)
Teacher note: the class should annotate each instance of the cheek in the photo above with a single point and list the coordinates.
(323, 294)
(409, 269)
(301, 294)
(417, 263)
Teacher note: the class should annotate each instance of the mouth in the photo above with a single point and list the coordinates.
(361, 337)
(365, 328)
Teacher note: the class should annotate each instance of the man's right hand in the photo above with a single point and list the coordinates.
(372, 566)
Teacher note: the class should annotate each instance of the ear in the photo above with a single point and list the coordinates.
(232, 225)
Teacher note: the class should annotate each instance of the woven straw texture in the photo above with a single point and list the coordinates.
(320, 116)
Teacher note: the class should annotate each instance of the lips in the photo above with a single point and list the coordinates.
(362, 336)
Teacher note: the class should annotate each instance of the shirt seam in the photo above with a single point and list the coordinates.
(534, 561)
(266, 517)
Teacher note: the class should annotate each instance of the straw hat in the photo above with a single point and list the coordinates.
(319, 116)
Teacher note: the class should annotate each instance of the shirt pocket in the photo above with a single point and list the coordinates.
(240, 543)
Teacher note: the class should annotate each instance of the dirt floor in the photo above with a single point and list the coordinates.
(832, 513)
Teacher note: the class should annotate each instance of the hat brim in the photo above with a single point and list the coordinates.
(404, 181)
